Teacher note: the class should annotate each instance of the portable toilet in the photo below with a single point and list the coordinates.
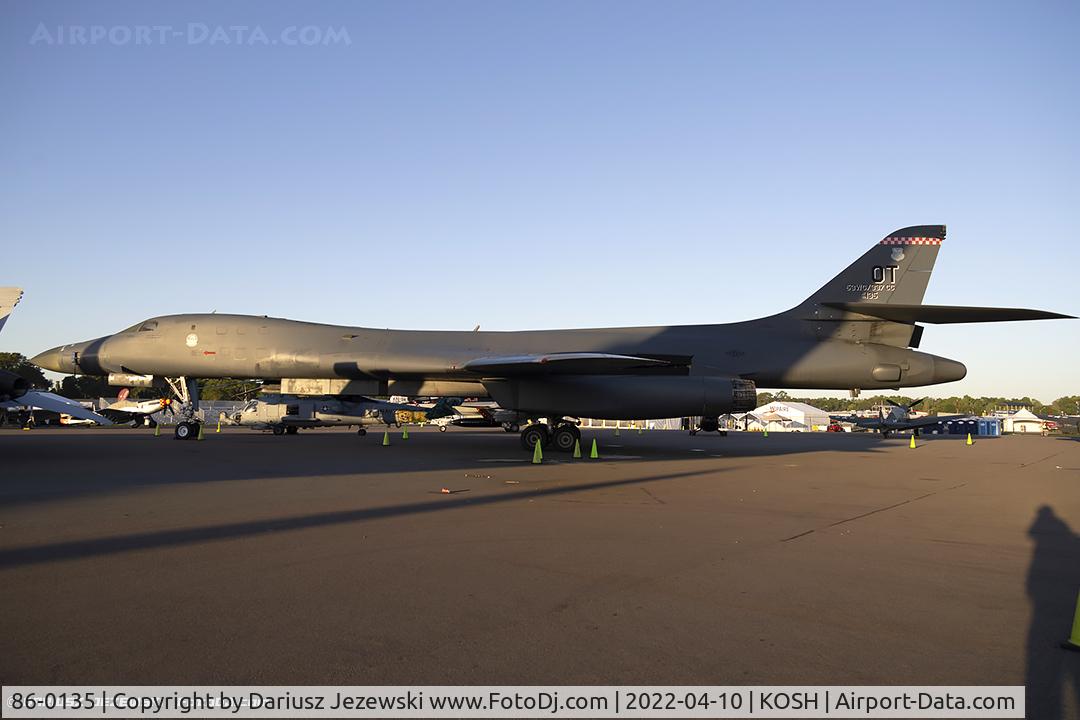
(989, 426)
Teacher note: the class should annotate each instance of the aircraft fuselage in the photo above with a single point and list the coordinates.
(773, 352)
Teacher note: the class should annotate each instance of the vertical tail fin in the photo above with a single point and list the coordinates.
(878, 298)
(896, 270)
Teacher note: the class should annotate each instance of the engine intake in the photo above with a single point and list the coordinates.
(12, 386)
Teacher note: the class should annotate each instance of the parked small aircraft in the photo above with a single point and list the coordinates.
(896, 418)
(137, 412)
(481, 413)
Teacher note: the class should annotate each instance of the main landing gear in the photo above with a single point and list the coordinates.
(563, 437)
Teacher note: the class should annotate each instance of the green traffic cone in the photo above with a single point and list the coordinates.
(616, 431)
(765, 434)
(157, 430)
(593, 454)
(386, 438)
(538, 454)
(405, 433)
(1073, 643)
(577, 448)
(200, 432)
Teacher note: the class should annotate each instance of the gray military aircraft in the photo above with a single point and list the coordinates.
(896, 418)
(857, 332)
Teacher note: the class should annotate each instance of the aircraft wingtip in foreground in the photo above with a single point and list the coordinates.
(858, 331)
(9, 298)
(15, 392)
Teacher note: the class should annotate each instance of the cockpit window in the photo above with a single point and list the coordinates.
(145, 326)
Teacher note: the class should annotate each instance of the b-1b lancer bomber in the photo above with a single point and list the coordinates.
(859, 331)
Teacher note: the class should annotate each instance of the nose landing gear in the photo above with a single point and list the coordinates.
(187, 391)
(187, 430)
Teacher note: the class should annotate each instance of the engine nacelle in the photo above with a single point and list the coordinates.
(626, 397)
(12, 386)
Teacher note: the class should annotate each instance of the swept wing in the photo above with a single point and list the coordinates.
(565, 363)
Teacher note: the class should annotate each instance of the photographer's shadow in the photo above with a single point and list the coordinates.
(1052, 583)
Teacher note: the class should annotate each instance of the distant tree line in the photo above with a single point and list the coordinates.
(21, 366)
(90, 386)
(228, 389)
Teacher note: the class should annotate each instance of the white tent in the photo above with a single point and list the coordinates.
(783, 416)
(1022, 421)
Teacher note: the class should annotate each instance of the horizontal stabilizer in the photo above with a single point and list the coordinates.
(931, 420)
(936, 314)
(570, 363)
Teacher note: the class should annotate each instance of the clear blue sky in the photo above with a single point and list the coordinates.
(533, 165)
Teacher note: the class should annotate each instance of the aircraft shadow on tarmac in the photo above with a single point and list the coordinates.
(1053, 580)
(37, 554)
(86, 465)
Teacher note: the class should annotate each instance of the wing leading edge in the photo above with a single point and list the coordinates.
(566, 363)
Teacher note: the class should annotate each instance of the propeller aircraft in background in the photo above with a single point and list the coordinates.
(895, 418)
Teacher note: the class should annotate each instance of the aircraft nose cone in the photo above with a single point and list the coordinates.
(946, 370)
(51, 360)
(84, 358)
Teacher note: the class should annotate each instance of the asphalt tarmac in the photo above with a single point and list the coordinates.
(325, 558)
